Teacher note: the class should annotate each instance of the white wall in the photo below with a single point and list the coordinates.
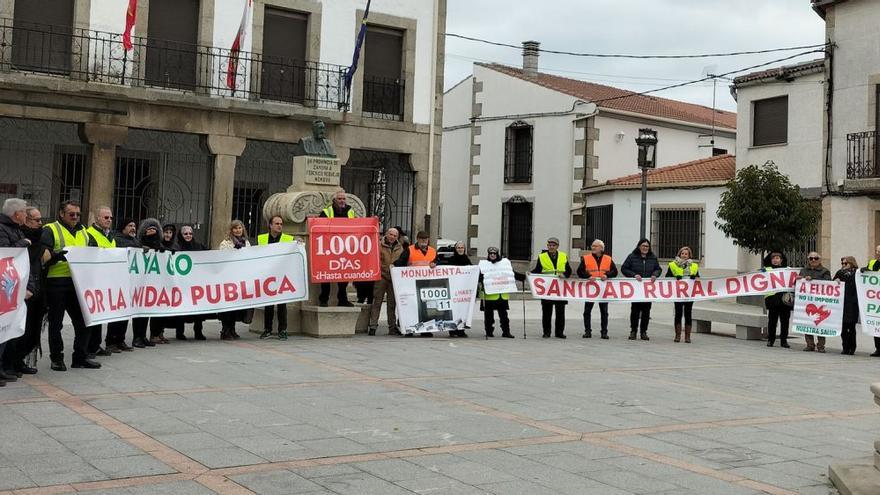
(619, 156)
(852, 220)
(455, 160)
(339, 24)
(856, 59)
(802, 158)
(720, 254)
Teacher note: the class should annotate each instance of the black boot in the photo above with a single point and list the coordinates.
(632, 334)
(179, 335)
(198, 333)
(588, 334)
(644, 335)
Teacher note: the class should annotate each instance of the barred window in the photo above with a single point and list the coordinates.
(518, 153)
(770, 121)
(516, 228)
(673, 228)
(599, 220)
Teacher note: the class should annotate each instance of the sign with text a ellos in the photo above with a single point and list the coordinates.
(321, 171)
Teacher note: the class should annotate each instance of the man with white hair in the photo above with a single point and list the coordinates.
(11, 236)
(336, 209)
(104, 237)
(596, 265)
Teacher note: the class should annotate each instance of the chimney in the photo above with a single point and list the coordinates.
(530, 58)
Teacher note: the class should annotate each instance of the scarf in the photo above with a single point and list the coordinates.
(239, 241)
(682, 263)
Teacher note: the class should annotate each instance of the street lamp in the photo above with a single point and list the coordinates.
(647, 143)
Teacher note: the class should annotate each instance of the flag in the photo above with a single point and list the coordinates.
(130, 20)
(232, 69)
(349, 74)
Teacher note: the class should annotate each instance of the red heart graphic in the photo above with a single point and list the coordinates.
(819, 313)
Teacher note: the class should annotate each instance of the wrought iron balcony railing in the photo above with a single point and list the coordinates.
(97, 56)
(383, 97)
(862, 155)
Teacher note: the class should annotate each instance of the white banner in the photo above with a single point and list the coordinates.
(818, 308)
(868, 288)
(117, 284)
(15, 268)
(498, 278)
(662, 289)
(434, 299)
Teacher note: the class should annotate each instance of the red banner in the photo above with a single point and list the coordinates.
(344, 249)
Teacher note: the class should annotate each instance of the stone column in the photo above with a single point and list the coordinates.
(104, 139)
(226, 150)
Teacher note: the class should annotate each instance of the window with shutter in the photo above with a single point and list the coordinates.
(770, 121)
(172, 33)
(42, 35)
(284, 73)
(383, 91)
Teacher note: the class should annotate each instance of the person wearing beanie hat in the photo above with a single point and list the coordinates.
(778, 304)
(126, 233)
(553, 262)
(490, 303)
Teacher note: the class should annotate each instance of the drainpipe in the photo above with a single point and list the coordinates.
(433, 113)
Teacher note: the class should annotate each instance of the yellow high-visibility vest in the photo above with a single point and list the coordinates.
(63, 239)
(328, 212)
(547, 264)
(263, 239)
(100, 238)
(679, 271)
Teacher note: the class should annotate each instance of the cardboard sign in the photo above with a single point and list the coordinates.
(344, 249)
(818, 308)
(435, 299)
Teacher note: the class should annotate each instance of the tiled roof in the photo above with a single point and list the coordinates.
(784, 72)
(641, 104)
(716, 169)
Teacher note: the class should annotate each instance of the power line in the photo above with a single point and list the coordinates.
(708, 78)
(615, 55)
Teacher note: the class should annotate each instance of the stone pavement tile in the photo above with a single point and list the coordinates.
(630, 481)
(103, 449)
(45, 414)
(522, 487)
(440, 485)
(224, 457)
(164, 425)
(12, 478)
(771, 476)
(298, 432)
(394, 470)
(707, 485)
(185, 442)
(801, 469)
(472, 473)
(78, 433)
(276, 483)
(52, 470)
(359, 484)
(826, 489)
(329, 470)
(175, 488)
(334, 446)
(131, 466)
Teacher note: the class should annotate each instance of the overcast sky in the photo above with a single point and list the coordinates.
(633, 27)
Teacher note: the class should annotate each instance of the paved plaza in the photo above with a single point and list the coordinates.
(381, 415)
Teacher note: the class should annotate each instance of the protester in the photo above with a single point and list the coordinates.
(60, 292)
(419, 254)
(236, 238)
(596, 265)
(11, 236)
(847, 274)
(554, 262)
(814, 271)
(778, 304)
(20, 356)
(873, 266)
(169, 237)
(336, 209)
(459, 258)
(150, 239)
(683, 266)
(490, 303)
(126, 235)
(641, 263)
(275, 235)
(403, 238)
(186, 242)
(104, 237)
(389, 252)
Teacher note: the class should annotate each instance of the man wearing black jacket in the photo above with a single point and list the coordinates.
(11, 236)
(553, 262)
(641, 263)
(18, 349)
(600, 266)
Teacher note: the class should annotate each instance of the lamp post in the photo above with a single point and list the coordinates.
(647, 144)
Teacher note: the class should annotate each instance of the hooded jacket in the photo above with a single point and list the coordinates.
(774, 301)
(184, 245)
(172, 244)
(154, 241)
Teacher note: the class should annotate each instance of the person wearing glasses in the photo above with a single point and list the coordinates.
(873, 266)
(814, 271)
(104, 237)
(553, 262)
(11, 236)
(683, 266)
(640, 264)
(66, 232)
(849, 268)
(186, 241)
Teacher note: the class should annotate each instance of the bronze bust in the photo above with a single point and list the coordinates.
(317, 144)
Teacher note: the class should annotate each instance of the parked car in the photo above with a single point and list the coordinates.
(445, 250)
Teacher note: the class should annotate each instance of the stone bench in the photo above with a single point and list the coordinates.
(750, 320)
(860, 476)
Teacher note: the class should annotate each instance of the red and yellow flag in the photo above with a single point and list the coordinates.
(130, 20)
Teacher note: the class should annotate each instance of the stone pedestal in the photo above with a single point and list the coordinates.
(331, 321)
(860, 476)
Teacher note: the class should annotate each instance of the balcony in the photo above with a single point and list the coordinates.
(383, 98)
(861, 156)
(100, 57)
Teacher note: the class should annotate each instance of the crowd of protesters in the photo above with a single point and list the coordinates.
(50, 293)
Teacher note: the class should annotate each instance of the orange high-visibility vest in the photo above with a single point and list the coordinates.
(416, 258)
(597, 270)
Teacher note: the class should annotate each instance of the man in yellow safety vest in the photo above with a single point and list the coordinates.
(276, 223)
(60, 292)
(553, 262)
(104, 237)
(336, 209)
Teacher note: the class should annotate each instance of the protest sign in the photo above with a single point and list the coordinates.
(868, 288)
(434, 299)
(662, 289)
(498, 277)
(117, 284)
(344, 249)
(15, 268)
(818, 308)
